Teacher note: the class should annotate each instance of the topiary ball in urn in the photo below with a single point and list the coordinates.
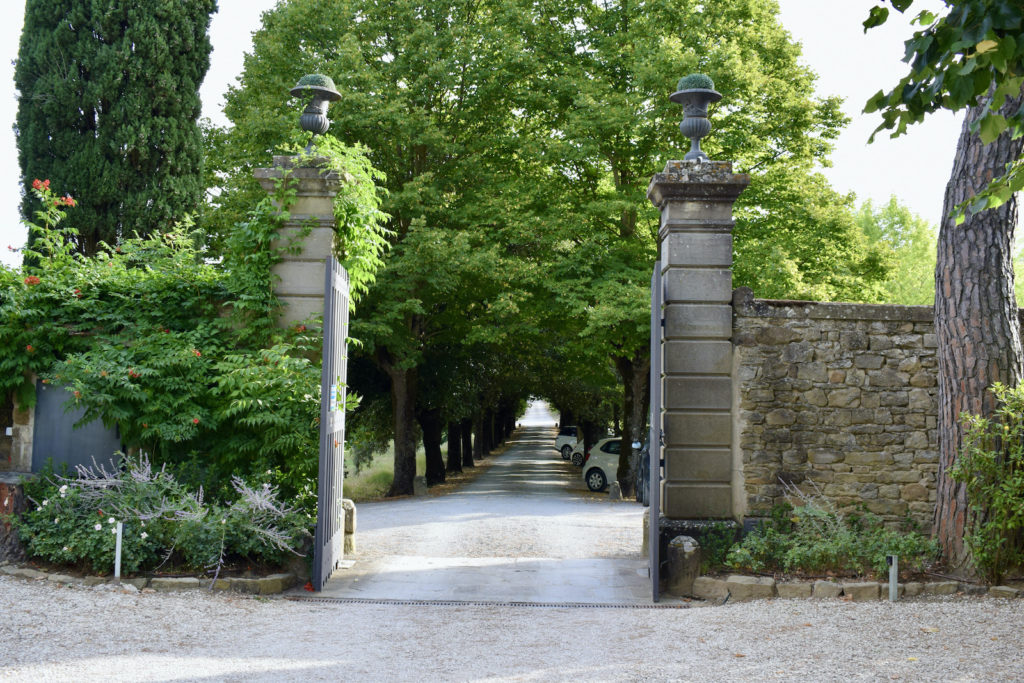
(695, 92)
(321, 91)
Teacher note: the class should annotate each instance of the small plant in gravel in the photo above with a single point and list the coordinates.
(813, 538)
(73, 519)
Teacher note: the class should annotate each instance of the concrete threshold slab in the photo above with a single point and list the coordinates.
(493, 580)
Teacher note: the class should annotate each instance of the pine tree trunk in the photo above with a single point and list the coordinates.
(454, 447)
(635, 373)
(403, 410)
(466, 428)
(976, 319)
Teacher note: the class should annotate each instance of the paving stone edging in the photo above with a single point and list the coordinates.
(740, 588)
(266, 585)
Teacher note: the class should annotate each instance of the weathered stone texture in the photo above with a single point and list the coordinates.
(838, 396)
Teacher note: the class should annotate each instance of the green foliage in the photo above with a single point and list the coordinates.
(715, 543)
(317, 80)
(182, 355)
(517, 142)
(361, 226)
(73, 521)
(991, 466)
(797, 238)
(812, 538)
(910, 241)
(695, 81)
(973, 54)
(107, 109)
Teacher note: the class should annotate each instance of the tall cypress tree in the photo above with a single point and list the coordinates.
(107, 110)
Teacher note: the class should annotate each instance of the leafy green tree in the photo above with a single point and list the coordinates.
(912, 240)
(107, 109)
(181, 354)
(973, 53)
(970, 58)
(612, 67)
(518, 139)
(430, 89)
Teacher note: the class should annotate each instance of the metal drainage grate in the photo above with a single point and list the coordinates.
(487, 603)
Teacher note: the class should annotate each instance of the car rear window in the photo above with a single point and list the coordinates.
(612, 446)
(567, 431)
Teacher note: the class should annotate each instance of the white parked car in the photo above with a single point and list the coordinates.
(566, 440)
(601, 463)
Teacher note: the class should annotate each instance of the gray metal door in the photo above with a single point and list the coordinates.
(56, 437)
(654, 447)
(330, 516)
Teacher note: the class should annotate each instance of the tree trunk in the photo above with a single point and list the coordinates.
(403, 410)
(487, 425)
(589, 430)
(976, 319)
(635, 372)
(433, 428)
(454, 447)
(466, 427)
(478, 438)
(615, 419)
(566, 418)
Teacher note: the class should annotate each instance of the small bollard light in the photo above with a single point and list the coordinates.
(117, 553)
(894, 576)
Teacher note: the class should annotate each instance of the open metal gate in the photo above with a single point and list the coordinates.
(654, 438)
(330, 516)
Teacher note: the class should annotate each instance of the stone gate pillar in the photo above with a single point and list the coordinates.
(301, 284)
(695, 240)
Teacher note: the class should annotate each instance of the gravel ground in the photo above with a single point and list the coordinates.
(49, 632)
(77, 634)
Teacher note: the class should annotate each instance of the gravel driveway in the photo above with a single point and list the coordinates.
(75, 634)
(526, 513)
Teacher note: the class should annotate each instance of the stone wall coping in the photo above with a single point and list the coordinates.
(741, 588)
(262, 585)
(746, 306)
(13, 477)
(698, 181)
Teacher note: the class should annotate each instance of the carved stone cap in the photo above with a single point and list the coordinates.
(696, 180)
(312, 177)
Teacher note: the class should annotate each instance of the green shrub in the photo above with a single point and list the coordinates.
(813, 538)
(73, 520)
(991, 466)
(715, 543)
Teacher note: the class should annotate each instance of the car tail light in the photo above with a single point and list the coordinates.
(586, 457)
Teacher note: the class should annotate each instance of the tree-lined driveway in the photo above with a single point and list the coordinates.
(526, 529)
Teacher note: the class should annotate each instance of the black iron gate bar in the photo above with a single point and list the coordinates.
(328, 545)
(654, 437)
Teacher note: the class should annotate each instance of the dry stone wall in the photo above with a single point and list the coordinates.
(841, 397)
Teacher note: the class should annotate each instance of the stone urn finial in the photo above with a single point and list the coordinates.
(695, 92)
(321, 91)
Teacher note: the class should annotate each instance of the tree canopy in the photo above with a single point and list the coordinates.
(974, 51)
(107, 108)
(518, 140)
